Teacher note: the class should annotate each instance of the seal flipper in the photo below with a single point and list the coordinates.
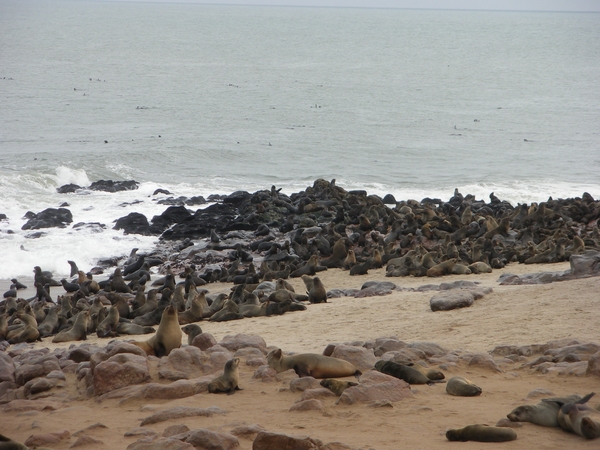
(578, 402)
(160, 350)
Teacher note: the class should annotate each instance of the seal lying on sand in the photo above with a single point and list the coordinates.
(337, 386)
(462, 387)
(311, 365)
(481, 433)
(403, 372)
(579, 418)
(545, 413)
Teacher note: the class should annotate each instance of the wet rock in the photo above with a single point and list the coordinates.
(49, 218)
(113, 186)
(134, 223)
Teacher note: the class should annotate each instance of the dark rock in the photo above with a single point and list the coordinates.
(49, 218)
(68, 188)
(114, 186)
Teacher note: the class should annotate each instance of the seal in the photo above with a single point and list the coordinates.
(337, 386)
(317, 293)
(545, 413)
(228, 382)
(192, 330)
(167, 337)
(311, 365)
(462, 387)
(108, 327)
(29, 333)
(579, 418)
(8, 444)
(404, 372)
(481, 433)
(78, 332)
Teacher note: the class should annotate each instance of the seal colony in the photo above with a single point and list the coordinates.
(259, 264)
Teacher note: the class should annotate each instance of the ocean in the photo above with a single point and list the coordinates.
(206, 99)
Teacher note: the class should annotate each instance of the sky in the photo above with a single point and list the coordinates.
(511, 5)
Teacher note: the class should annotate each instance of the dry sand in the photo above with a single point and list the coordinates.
(517, 315)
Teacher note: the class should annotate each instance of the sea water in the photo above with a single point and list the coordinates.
(203, 99)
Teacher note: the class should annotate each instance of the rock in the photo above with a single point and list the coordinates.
(175, 429)
(308, 405)
(376, 386)
(123, 347)
(79, 354)
(177, 389)
(49, 218)
(7, 368)
(204, 341)
(265, 374)
(318, 392)
(134, 223)
(152, 443)
(448, 300)
(387, 345)
(583, 350)
(247, 431)
(593, 367)
(302, 384)
(140, 431)
(47, 439)
(38, 385)
(361, 358)
(123, 369)
(234, 343)
(113, 186)
(266, 440)
(36, 367)
(179, 412)
(86, 440)
(429, 348)
(209, 440)
(484, 360)
(17, 406)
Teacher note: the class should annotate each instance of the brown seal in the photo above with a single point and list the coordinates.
(481, 433)
(317, 293)
(443, 268)
(462, 387)
(350, 260)
(108, 327)
(311, 365)
(192, 330)
(78, 332)
(29, 333)
(579, 418)
(8, 444)
(404, 372)
(167, 337)
(337, 386)
(545, 413)
(228, 382)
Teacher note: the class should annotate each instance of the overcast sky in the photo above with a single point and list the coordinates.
(513, 5)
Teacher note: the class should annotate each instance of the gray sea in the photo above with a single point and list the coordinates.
(202, 99)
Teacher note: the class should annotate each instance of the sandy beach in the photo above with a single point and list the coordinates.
(509, 315)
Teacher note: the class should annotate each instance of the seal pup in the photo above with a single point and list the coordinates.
(481, 433)
(228, 382)
(108, 327)
(29, 333)
(192, 330)
(462, 387)
(78, 332)
(167, 337)
(404, 372)
(545, 413)
(337, 386)
(311, 365)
